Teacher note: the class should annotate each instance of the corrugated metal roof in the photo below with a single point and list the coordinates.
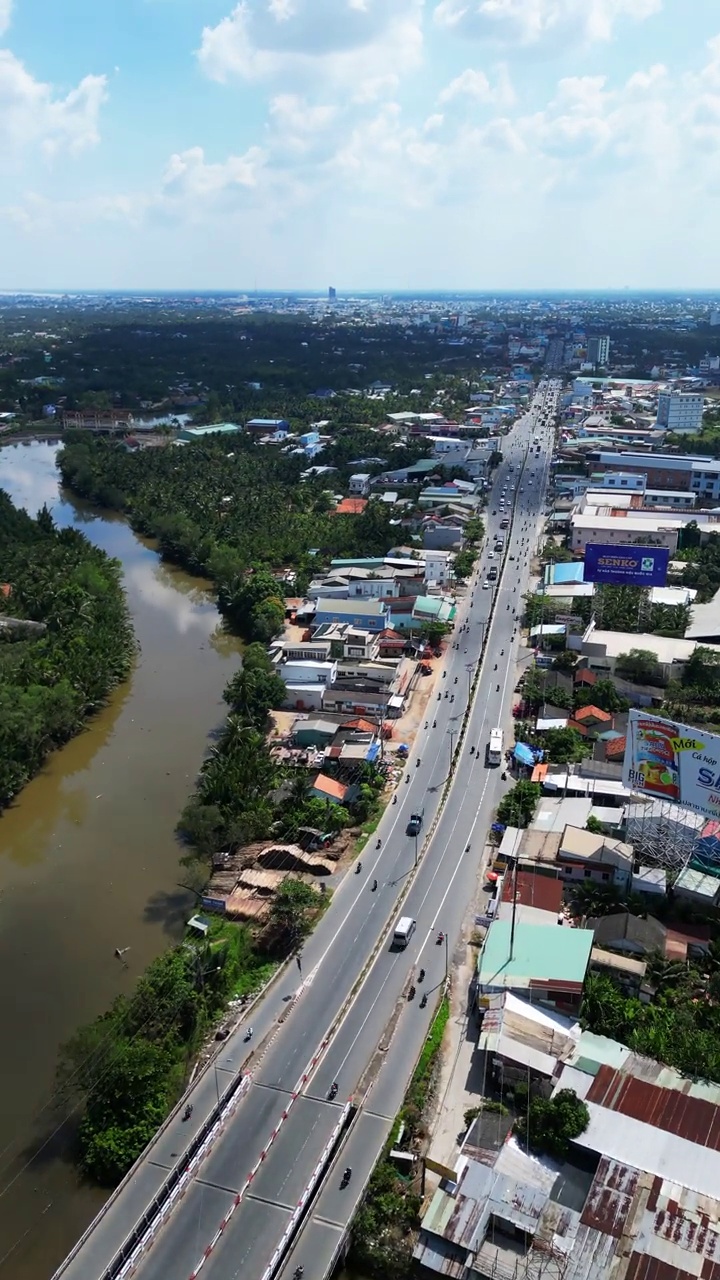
(670, 1109)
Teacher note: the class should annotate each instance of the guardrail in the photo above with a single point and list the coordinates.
(309, 1191)
(141, 1222)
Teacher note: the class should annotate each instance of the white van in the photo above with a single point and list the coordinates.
(404, 930)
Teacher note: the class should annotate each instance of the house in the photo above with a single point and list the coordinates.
(351, 506)
(325, 788)
(359, 484)
(590, 721)
(585, 855)
(368, 615)
(317, 733)
(545, 964)
(629, 934)
(264, 426)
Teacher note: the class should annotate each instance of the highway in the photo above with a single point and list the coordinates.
(285, 1120)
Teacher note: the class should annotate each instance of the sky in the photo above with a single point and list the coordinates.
(367, 144)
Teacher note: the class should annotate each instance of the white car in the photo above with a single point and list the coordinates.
(485, 586)
(491, 555)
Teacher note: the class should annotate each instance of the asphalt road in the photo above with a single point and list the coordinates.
(293, 1021)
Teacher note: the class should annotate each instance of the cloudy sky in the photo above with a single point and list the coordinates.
(376, 144)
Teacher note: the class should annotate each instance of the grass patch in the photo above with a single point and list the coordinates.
(382, 1232)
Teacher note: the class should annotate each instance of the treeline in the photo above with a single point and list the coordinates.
(51, 680)
(222, 508)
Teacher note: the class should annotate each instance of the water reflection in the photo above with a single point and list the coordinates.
(88, 856)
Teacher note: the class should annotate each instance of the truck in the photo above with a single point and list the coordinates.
(495, 747)
(414, 825)
(504, 522)
(404, 930)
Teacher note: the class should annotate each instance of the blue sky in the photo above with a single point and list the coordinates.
(389, 144)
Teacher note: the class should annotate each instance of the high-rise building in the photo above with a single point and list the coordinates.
(598, 350)
(680, 410)
(332, 293)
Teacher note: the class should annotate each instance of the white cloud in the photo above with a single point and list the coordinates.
(188, 177)
(472, 84)
(32, 116)
(540, 22)
(5, 13)
(349, 43)
(294, 115)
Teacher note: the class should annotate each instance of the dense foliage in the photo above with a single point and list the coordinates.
(128, 1068)
(682, 1025)
(225, 508)
(550, 1124)
(50, 682)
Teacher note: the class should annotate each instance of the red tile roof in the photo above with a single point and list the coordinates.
(594, 713)
(351, 507)
(615, 749)
(363, 725)
(329, 787)
(585, 677)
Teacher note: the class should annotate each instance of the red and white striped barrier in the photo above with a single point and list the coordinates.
(289, 1232)
(263, 1154)
(178, 1191)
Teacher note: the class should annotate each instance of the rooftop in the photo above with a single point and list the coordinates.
(541, 957)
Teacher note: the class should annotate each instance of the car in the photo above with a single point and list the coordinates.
(512, 556)
(485, 586)
(491, 555)
(494, 512)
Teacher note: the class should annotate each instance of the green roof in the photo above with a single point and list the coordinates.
(540, 954)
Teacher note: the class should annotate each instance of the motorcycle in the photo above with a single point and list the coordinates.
(394, 799)
(455, 680)
(411, 992)
(188, 1111)
(298, 1272)
(434, 724)
(248, 1034)
(452, 697)
(440, 938)
(472, 751)
(417, 763)
(333, 1090)
(495, 667)
(423, 1002)
(358, 869)
(346, 1177)
(497, 689)
(503, 775)
(374, 885)
(421, 975)
(378, 843)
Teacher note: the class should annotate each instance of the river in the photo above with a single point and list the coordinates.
(89, 862)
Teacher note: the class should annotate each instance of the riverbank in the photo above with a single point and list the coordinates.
(89, 861)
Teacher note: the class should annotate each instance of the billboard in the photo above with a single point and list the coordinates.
(626, 566)
(671, 761)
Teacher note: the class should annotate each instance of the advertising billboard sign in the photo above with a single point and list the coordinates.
(672, 761)
(626, 566)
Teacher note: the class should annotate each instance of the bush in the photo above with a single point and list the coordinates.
(550, 1124)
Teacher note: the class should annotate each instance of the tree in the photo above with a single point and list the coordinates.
(563, 745)
(518, 805)
(640, 666)
(593, 824)
(602, 694)
(550, 1124)
(252, 693)
(290, 910)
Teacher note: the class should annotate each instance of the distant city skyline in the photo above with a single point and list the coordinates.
(382, 145)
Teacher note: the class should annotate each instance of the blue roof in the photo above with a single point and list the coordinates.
(555, 574)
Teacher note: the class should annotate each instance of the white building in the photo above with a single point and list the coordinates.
(359, 484)
(680, 410)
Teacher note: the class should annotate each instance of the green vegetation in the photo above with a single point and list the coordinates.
(389, 1212)
(518, 805)
(127, 1069)
(51, 681)
(640, 666)
(550, 1124)
(682, 1025)
(702, 569)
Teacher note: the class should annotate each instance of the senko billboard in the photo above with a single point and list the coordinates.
(672, 761)
(626, 566)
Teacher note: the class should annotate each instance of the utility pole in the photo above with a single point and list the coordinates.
(469, 667)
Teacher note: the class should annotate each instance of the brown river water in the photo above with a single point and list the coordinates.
(89, 862)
